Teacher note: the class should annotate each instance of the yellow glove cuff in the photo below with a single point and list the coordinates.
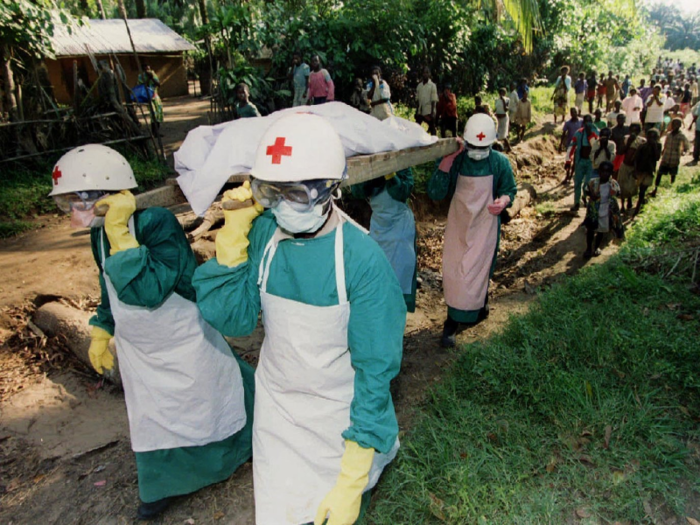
(100, 334)
(120, 238)
(356, 462)
(232, 241)
(390, 176)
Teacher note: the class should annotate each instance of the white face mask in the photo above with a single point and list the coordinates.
(295, 221)
(478, 154)
(85, 219)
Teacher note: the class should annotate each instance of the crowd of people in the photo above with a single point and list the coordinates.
(317, 414)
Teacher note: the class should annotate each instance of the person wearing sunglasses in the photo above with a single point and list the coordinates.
(189, 398)
(334, 317)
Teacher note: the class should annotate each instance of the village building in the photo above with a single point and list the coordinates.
(156, 44)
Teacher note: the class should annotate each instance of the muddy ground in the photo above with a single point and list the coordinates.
(64, 446)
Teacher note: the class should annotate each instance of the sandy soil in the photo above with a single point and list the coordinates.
(63, 435)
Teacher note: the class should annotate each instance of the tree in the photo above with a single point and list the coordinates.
(681, 30)
(25, 31)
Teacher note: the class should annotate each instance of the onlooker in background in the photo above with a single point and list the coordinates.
(675, 146)
(617, 110)
(561, 94)
(358, 99)
(321, 87)
(571, 126)
(694, 90)
(696, 145)
(598, 121)
(299, 75)
(644, 91)
(149, 79)
(580, 152)
(632, 106)
(655, 109)
(626, 174)
(686, 100)
(602, 150)
(625, 87)
(427, 99)
(591, 93)
(601, 91)
(379, 95)
(523, 115)
(645, 160)
(447, 111)
(580, 89)
(602, 213)
(514, 99)
(523, 88)
(617, 135)
(611, 90)
(245, 108)
(502, 118)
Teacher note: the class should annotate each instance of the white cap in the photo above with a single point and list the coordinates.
(92, 167)
(480, 130)
(301, 146)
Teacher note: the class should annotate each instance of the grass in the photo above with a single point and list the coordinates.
(585, 407)
(25, 188)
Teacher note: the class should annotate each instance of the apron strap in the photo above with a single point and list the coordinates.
(270, 249)
(340, 264)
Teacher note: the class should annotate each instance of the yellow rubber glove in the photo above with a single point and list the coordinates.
(122, 205)
(232, 240)
(100, 356)
(390, 176)
(342, 504)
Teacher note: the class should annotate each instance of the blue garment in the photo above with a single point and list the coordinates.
(581, 86)
(522, 89)
(300, 75)
(625, 87)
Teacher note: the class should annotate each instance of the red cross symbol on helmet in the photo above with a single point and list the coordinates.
(481, 136)
(278, 149)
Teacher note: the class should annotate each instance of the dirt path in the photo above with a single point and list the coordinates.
(65, 450)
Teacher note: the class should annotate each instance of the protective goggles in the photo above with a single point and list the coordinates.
(80, 200)
(301, 195)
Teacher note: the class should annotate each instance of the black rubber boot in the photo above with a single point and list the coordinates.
(449, 333)
(149, 511)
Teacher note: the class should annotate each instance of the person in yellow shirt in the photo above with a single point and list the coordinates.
(427, 99)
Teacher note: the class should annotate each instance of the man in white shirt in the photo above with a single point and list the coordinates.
(612, 116)
(632, 106)
(514, 100)
(656, 105)
(427, 98)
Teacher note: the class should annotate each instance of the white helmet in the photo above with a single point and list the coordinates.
(301, 146)
(92, 167)
(480, 130)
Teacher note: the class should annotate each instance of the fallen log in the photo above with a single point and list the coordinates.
(526, 194)
(56, 318)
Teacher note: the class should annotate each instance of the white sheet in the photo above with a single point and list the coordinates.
(211, 154)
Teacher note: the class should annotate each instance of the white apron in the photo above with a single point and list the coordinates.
(182, 386)
(304, 387)
(471, 236)
(394, 228)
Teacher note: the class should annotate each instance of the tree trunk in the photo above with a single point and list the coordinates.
(140, 8)
(101, 9)
(207, 42)
(8, 80)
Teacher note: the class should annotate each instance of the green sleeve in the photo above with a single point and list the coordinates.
(163, 263)
(400, 185)
(442, 185)
(229, 298)
(368, 189)
(505, 181)
(375, 338)
(103, 316)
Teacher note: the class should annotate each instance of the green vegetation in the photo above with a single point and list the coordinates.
(25, 188)
(587, 404)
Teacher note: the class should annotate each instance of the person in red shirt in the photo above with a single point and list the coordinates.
(447, 111)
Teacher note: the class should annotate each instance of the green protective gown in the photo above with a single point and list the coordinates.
(442, 186)
(399, 188)
(146, 276)
(303, 270)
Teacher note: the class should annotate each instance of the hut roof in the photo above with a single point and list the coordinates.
(102, 37)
